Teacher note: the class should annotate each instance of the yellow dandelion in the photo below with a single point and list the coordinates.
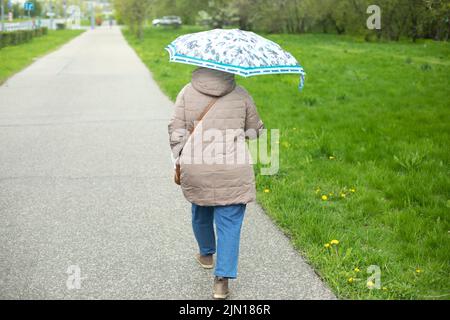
(370, 284)
(356, 269)
(327, 245)
(350, 280)
(324, 197)
(418, 270)
(331, 157)
(336, 242)
(343, 195)
(352, 190)
(266, 190)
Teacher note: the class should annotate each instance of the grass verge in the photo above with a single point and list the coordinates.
(363, 157)
(15, 58)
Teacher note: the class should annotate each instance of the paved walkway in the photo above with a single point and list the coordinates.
(85, 181)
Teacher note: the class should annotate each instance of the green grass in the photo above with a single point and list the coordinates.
(85, 22)
(21, 20)
(381, 111)
(15, 58)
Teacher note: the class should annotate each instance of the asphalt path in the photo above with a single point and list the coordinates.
(88, 209)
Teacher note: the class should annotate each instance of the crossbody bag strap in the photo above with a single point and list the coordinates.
(200, 118)
(203, 114)
(177, 176)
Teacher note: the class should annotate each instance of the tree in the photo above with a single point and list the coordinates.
(400, 18)
(222, 13)
(37, 12)
(186, 9)
(16, 10)
(133, 13)
(436, 21)
(246, 12)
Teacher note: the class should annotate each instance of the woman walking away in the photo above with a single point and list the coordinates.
(212, 118)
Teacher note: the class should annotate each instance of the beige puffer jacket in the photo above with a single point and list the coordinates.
(216, 168)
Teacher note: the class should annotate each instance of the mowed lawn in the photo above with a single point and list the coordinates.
(364, 157)
(15, 58)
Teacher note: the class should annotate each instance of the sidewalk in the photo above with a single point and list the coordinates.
(86, 181)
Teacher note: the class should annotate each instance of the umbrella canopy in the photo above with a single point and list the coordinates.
(235, 51)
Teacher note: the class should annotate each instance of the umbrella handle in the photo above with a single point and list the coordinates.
(301, 85)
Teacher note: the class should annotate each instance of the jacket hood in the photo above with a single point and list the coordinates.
(213, 82)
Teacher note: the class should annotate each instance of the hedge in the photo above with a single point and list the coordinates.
(13, 38)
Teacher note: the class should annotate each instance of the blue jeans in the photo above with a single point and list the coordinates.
(228, 221)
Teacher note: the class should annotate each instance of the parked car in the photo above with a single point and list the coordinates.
(167, 21)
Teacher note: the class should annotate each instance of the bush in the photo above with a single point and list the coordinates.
(37, 32)
(98, 20)
(13, 38)
(5, 39)
(60, 26)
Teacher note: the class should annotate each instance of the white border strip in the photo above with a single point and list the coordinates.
(236, 70)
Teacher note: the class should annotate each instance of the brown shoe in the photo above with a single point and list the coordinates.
(221, 291)
(206, 262)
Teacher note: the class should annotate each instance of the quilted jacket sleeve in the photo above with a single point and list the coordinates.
(253, 124)
(178, 133)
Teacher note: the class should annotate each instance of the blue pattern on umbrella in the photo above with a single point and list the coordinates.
(232, 50)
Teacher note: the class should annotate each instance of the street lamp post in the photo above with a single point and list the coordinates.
(65, 9)
(91, 3)
(3, 15)
(51, 15)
